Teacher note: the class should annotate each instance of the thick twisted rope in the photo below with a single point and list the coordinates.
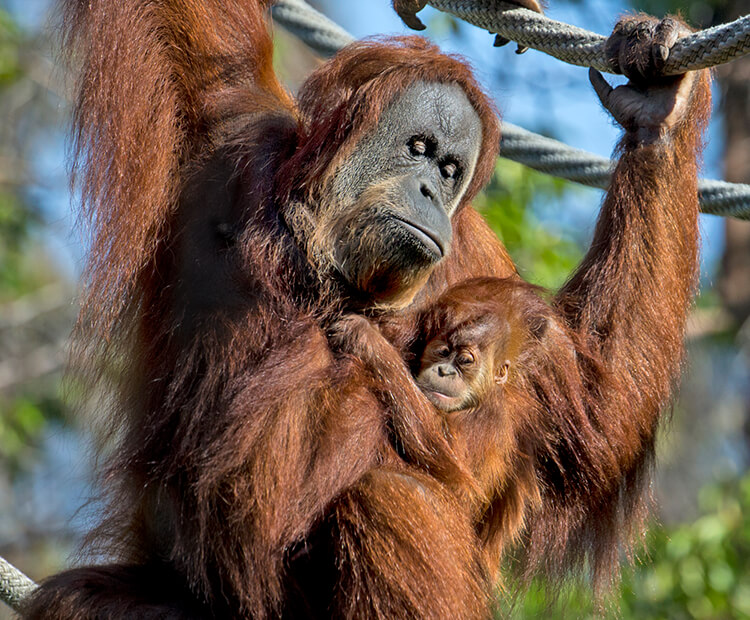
(560, 160)
(567, 43)
(322, 34)
(570, 44)
(14, 585)
(577, 46)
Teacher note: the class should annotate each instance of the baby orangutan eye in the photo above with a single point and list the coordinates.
(465, 359)
(443, 351)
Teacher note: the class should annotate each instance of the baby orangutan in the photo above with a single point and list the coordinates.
(468, 342)
(469, 355)
(462, 347)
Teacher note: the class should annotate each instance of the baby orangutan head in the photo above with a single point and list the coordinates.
(459, 367)
(471, 338)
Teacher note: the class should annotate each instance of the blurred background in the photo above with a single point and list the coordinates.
(696, 561)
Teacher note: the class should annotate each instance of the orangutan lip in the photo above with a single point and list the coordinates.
(439, 395)
(425, 236)
(438, 398)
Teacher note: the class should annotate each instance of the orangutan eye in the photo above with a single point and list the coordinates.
(465, 359)
(449, 170)
(417, 147)
(443, 351)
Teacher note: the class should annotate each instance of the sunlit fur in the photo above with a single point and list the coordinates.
(238, 439)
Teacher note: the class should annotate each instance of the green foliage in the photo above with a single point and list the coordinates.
(16, 217)
(20, 268)
(10, 68)
(28, 406)
(701, 569)
(21, 423)
(510, 204)
(698, 570)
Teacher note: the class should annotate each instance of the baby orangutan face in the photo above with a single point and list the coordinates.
(457, 370)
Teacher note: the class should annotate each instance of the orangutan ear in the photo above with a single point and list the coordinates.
(501, 375)
(538, 326)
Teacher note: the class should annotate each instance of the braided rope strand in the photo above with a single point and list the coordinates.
(553, 157)
(568, 43)
(565, 42)
(320, 33)
(558, 159)
(14, 585)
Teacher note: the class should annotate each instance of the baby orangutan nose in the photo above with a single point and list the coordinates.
(446, 370)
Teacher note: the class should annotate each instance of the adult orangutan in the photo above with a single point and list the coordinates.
(254, 470)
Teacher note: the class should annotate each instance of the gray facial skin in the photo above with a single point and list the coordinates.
(442, 114)
(395, 193)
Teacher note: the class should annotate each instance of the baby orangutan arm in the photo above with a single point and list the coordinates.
(418, 431)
